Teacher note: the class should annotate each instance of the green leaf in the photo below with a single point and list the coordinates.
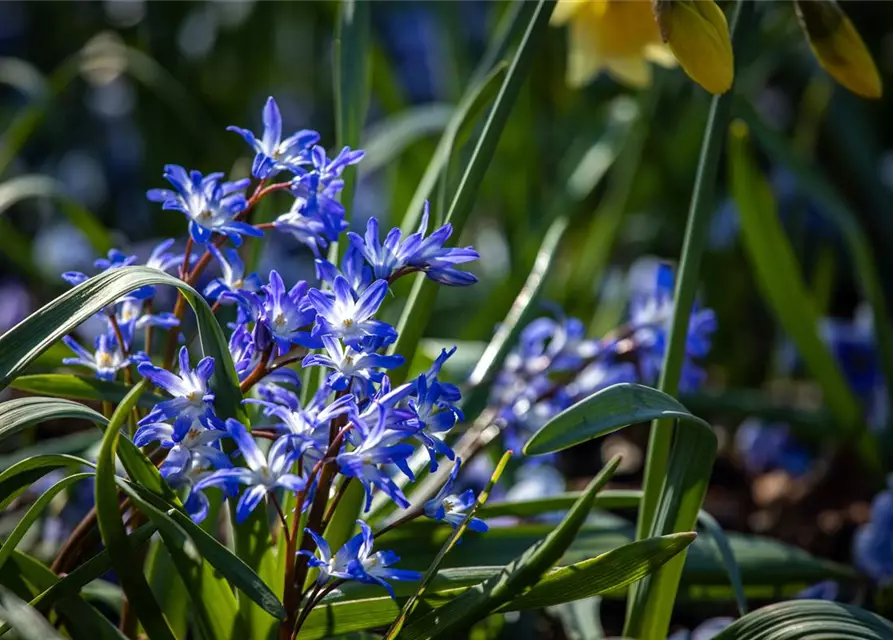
(29, 624)
(83, 622)
(19, 476)
(34, 512)
(626, 500)
(769, 569)
(778, 276)
(163, 576)
(21, 413)
(451, 542)
(606, 411)
(172, 520)
(610, 571)
(808, 619)
(114, 534)
(818, 186)
(212, 598)
(66, 385)
(352, 81)
(84, 574)
(524, 571)
(25, 187)
(386, 140)
(524, 306)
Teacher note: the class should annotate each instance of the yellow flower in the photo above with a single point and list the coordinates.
(622, 37)
(698, 35)
(619, 36)
(838, 46)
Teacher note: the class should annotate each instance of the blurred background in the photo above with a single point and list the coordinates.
(96, 97)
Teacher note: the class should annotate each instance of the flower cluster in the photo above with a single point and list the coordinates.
(355, 424)
(556, 365)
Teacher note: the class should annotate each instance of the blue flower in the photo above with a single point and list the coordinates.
(318, 187)
(824, 590)
(768, 447)
(263, 473)
(416, 253)
(430, 414)
(184, 474)
(353, 269)
(192, 445)
(873, 543)
(192, 397)
(273, 154)
(375, 447)
(106, 361)
(450, 508)
(210, 205)
(307, 227)
(233, 277)
(116, 259)
(132, 317)
(349, 363)
(345, 316)
(285, 317)
(163, 260)
(355, 561)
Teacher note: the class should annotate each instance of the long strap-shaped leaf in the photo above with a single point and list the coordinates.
(690, 461)
(778, 276)
(523, 572)
(175, 523)
(19, 476)
(801, 619)
(21, 413)
(608, 572)
(29, 624)
(67, 385)
(114, 534)
(82, 621)
(32, 336)
(836, 209)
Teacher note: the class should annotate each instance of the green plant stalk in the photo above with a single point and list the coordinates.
(693, 245)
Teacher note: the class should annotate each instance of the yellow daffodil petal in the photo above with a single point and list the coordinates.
(839, 47)
(564, 11)
(660, 54)
(633, 72)
(698, 35)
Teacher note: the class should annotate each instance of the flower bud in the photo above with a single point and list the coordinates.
(698, 35)
(838, 47)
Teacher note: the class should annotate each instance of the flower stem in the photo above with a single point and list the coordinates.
(700, 209)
